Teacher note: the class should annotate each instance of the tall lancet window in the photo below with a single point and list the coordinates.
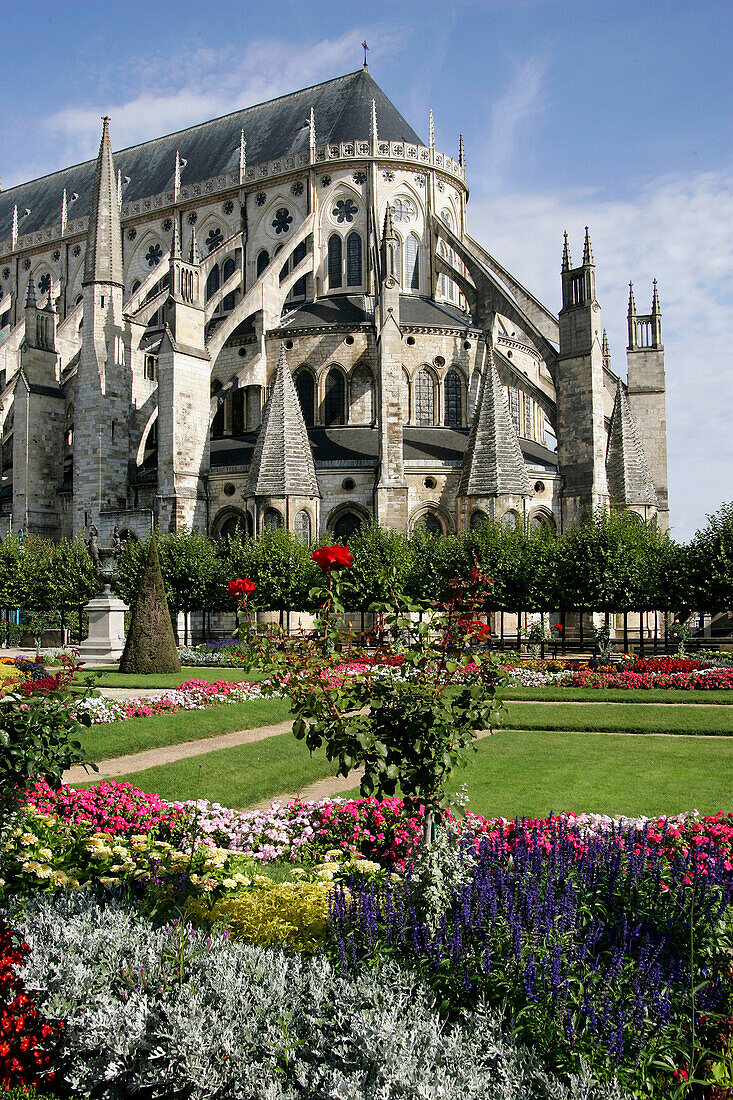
(306, 389)
(334, 410)
(424, 398)
(263, 259)
(213, 281)
(335, 276)
(303, 526)
(452, 399)
(412, 262)
(353, 260)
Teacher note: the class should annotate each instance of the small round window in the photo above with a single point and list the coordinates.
(348, 484)
(229, 489)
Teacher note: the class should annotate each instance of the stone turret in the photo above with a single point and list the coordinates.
(647, 393)
(494, 479)
(391, 490)
(103, 382)
(629, 481)
(282, 487)
(581, 427)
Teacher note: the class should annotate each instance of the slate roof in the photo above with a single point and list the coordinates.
(493, 463)
(629, 480)
(279, 127)
(282, 463)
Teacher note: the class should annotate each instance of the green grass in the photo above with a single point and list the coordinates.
(103, 742)
(552, 694)
(641, 718)
(532, 773)
(237, 777)
(111, 678)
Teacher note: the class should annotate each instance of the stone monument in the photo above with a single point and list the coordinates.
(106, 612)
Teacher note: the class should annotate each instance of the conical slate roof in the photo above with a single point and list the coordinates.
(282, 463)
(342, 111)
(493, 463)
(103, 259)
(629, 480)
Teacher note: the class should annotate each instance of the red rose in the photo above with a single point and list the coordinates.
(333, 557)
(558, 626)
(241, 587)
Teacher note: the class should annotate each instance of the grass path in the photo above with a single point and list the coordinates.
(642, 718)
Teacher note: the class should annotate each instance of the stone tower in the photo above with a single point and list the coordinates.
(581, 429)
(391, 487)
(647, 396)
(184, 374)
(103, 381)
(282, 487)
(39, 420)
(494, 479)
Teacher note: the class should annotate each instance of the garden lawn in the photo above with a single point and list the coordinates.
(531, 773)
(641, 718)
(236, 777)
(550, 693)
(111, 678)
(108, 740)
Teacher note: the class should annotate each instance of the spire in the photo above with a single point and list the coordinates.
(567, 263)
(365, 47)
(194, 256)
(177, 177)
(388, 232)
(176, 240)
(587, 250)
(103, 260)
(629, 480)
(14, 230)
(312, 134)
(242, 157)
(31, 302)
(461, 152)
(655, 301)
(606, 350)
(282, 462)
(431, 131)
(632, 303)
(493, 464)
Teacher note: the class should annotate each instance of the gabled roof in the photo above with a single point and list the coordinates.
(629, 480)
(279, 127)
(493, 464)
(282, 463)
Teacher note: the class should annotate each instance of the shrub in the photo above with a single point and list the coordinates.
(150, 645)
(288, 914)
(173, 1011)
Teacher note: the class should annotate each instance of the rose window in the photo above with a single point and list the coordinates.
(282, 221)
(214, 239)
(154, 255)
(167, 225)
(44, 283)
(359, 177)
(403, 210)
(297, 188)
(344, 210)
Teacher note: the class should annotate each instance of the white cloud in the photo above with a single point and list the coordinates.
(519, 106)
(678, 229)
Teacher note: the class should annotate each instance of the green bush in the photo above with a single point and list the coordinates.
(150, 645)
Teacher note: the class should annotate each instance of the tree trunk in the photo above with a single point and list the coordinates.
(428, 832)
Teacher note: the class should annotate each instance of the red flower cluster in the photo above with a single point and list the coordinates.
(667, 664)
(24, 1032)
(333, 557)
(558, 627)
(108, 807)
(45, 686)
(474, 628)
(241, 587)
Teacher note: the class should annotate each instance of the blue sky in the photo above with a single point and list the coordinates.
(610, 113)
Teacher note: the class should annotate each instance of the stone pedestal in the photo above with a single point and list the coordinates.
(106, 639)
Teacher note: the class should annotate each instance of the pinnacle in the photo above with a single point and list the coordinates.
(194, 257)
(566, 261)
(587, 250)
(632, 303)
(30, 298)
(103, 260)
(655, 299)
(388, 224)
(176, 240)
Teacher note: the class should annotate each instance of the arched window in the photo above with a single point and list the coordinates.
(213, 282)
(136, 286)
(232, 527)
(405, 397)
(227, 270)
(298, 290)
(272, 519)
(263, 259)
(452, 399)
(431, 523)
(305, 386)
(335, 278)
(478, 519)
(412, 263)
(353, 260)
(510, 518)
(424, 398)
(334, 406)
(362, 399)
(303, 526)
(346, 526)
(542, 521)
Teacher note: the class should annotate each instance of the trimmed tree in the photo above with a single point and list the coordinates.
(150, 645)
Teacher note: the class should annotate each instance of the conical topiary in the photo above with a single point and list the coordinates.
(150, 645)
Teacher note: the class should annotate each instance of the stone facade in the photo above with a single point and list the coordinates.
(312, 251)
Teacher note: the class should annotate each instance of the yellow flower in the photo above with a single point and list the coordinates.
(208, 884)
(297, 871)
(241, 879)
(365, 865)
(229, 883)
(118, 850)
(45, 853)
(263, 880)
(107, 880)
(26, 839)
(326, 872)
